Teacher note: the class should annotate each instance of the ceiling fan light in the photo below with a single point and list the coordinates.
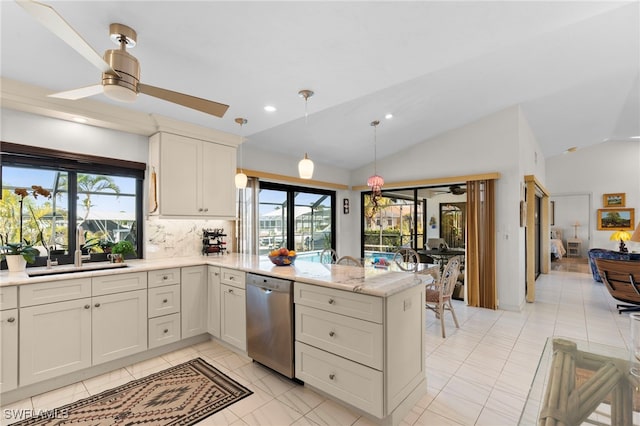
(120, 93)
(241, 180)
(305, 167)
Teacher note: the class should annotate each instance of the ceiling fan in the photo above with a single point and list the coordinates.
(120, 70)
(457, 190)
(454, 189)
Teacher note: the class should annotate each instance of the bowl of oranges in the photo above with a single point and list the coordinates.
(282, 257)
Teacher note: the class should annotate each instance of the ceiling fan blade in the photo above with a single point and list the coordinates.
(209, 107)
(55, 23)
(82, 92)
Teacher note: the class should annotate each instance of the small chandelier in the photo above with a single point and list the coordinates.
(241, 178)
(305, 166)
(376, 181)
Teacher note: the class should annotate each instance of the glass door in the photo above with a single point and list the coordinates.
(300, 219)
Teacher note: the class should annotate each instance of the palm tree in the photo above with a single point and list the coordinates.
(93, 184)
(90, 185)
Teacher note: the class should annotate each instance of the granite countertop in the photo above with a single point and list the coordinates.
(367, 280)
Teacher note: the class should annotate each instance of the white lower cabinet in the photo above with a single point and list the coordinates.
(346, 380)
(213, 320)
(69, 325)
(164, 330)
(55, 339)
(8, 338)
(194, 301)
(349, 346)
(233, 320)
(119, 325)
(233, 308)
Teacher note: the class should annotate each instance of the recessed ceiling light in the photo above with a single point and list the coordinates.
(270, 108)
(635, 137)
(79, 119)
(389, 116)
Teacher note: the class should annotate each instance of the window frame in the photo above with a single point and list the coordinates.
(291, 190)
(18, 155)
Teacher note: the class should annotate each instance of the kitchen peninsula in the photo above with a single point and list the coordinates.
(359, 332)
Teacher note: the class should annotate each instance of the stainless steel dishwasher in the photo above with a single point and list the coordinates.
(270, 322)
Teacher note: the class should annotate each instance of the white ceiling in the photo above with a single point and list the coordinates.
(573, 67)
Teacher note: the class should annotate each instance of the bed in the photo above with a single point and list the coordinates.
(557, 248)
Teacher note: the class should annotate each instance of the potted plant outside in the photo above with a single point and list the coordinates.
(18, 255)
(119, 250)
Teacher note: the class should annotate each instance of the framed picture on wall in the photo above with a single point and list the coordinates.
(613, 200)
(616, 219)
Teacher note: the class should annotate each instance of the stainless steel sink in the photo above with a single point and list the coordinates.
(70, 269)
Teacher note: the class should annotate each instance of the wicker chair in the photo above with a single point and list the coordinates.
(407, 259)
(438, 294)
(349, 260)
(622, 279)
(328, 256)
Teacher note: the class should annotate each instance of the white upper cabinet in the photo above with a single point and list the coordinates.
(194, 177)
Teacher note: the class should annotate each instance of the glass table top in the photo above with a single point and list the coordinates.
(578, 382)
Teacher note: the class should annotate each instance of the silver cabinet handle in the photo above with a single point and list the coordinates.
(215, 274)
(230, 290)
(332, 333)
(231, 278)
(206, 210)
(332, 376)
(166, 330)
(200, 209)
(331, 301)
(165, 277)
(11, 319)
(97, 305)
(87, 306)
(165, 301)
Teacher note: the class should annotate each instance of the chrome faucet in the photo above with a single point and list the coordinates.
(78, 257)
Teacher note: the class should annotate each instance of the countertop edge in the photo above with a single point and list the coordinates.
(369, 281)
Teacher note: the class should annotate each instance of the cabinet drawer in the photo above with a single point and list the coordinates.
(118, 283)
(362, 306)
(164, 300)
(351, 382)
(163, 330)
(355, 339)
(164, 277)
(8, 297)
(232, 277)
(54, 291)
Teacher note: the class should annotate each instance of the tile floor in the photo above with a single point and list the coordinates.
(478, 375)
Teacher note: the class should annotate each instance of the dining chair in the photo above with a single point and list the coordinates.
(349, 260)
(438, 294)
(328, 256)
(407, 259)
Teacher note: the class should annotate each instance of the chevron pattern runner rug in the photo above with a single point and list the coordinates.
(180, 395)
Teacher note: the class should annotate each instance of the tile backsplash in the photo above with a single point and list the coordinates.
(167, 238)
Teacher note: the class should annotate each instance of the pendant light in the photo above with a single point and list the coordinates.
(375, 181)
(241, 178)
(305, 166)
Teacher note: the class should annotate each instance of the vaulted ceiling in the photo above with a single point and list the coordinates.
(573, 67)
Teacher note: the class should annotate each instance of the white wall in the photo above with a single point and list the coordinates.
(501, 142)
(36, 130)
(609, 167)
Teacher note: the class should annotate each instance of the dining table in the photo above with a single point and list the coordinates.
(442, 256)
